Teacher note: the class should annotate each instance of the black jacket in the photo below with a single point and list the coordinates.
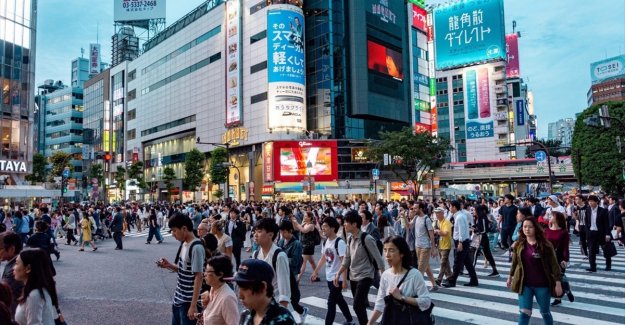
(117, 223)
(238, 232)
(538, 211)
(603, 224)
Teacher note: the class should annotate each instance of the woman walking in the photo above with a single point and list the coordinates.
(481, 230)
(307, 229)
(220, 303)
(85, 225)
(534, 272)
(558, 235)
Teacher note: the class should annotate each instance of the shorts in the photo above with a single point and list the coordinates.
(308, 250)
(423, 258)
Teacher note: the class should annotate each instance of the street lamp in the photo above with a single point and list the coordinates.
(308, 168)
(227, 147)
(152, 188)
(228, 165)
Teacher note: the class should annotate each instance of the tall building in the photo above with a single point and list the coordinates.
(96, 127)
(17, 77)
(608, 81)
(562, 130)
(125, 46)
(80, 72)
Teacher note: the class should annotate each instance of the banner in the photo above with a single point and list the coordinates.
(286, 68)
(419, 18)
(477, 130)
(513, 69)
(520, 112)
(468, 32)
(94, 58)
(484, 91)
(471, 90)
(607, 69)
(233, 63)
(132, 10)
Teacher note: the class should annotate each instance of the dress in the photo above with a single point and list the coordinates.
(85, 224)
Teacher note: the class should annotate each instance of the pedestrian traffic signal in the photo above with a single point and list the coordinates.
(107, 156)
(64, 182)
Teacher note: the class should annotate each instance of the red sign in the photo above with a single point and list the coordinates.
(419, 18)
(295, 160)
(267, 190)
(434, 114)
(268, 161)
(401, 186)
(484, 91)
(422, 128)
(513, 69)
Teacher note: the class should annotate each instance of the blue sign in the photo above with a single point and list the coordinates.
(607, 69)
(421, 79)
(540, 156)
(520, 112)
(471, 89)
(375, 172)
(66, 173)
(285, 46)
(469, 31)
(477, 130)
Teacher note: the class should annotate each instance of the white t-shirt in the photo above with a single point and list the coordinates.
(413, 286)
(550, 209)
(333, 262)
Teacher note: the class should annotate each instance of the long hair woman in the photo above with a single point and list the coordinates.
(534, 272)
(307, 229)
(38, 302)
(481, 229)
(558, 235)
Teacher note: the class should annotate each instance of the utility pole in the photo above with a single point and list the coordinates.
(227, 147)
(543, 147)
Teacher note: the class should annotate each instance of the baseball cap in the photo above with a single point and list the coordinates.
(553, 198)
(253, 270)
(439, 210)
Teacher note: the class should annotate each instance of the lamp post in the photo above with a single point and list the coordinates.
(152, 188)
(308, 168)
(543, 147)
(228, 165)
(227, 147)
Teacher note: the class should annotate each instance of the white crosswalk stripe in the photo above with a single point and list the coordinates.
(599, 297)
(164, 233)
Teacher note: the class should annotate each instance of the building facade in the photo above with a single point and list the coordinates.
(96, 124)
(18, 23)
(607, 80)
(562, 130)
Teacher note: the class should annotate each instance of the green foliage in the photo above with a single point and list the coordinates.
(413, 155)
(97, 171)
(595, 147)
(554, 148)
(58, 161)
(120, 177)
(217, 173)
(135, 171)
(169, 175)
(218, 193)
(39, 169)
(194, 170)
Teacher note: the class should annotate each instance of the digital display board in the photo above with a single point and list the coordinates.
(295, 160)
(384, 60)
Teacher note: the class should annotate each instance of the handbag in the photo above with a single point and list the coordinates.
(59, 320)
(398, 312)
(609, 250)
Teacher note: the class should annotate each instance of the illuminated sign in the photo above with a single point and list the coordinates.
(233, 136)
(268, 161)
(297, 159)
(12, 166)
(233, 63)
(419, 18)
(267, 190)
(359, 155)
(513, 69)
(384, 60)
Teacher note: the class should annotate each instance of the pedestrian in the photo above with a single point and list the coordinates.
(480, 229)
(86, 224)
(558, 235)
(254, 279)
(20, 225)
(424, 242)
(362, 259)
(400, 280)
(70, 226)
(220, 303)
(189, 264)
(597, 233)
(58, 222)
(534, 272)
(507, 213)
(293, 249)
(235, 228)
(37, 302)
(444, 243)
(224, 242)
(462, 241)
(153, 228)
(117, 225)
(307, 230)
(41, 239)
(10, 247)
(333, 253)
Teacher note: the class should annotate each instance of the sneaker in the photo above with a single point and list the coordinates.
(556, 302)
(303, 316)
(494, 274)
(569, 294)
(434, 288)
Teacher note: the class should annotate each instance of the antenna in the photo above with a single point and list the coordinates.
(82, 52)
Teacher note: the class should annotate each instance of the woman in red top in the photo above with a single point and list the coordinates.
(558, 235)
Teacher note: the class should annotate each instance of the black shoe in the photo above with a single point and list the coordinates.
(438, 282)
(591, 270)
(556, 302)
(448, 284)
(608, 268)
(58, 255)
(570, 296)
(471, 284)
(494, 274)
(160, 241)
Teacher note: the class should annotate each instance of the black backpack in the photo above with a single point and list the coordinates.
(195, 242)
(274, 258)
(336, 243)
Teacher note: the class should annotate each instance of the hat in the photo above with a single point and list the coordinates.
(253, 270)
(553, 198)
(439, 210)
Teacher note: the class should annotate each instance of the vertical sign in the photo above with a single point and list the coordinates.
(520, 112)
(471, 90)
(286, 68)
(419, 18)
(268, 161)
(233, 63)
(513, 69)
(94, 58)
(484, 91)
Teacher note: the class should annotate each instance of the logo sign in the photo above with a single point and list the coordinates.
(606, 69)
(233, 63)
(286, 68)
(419, 18)
(132, 10)
(267, 190)
(540, 156)
(234, 135)
(520, 112)
(94, 58)
(268, 161)
(359, 155)
(477, 130)
(382, 10)
(467, 32)
(512, 50)
(12, 166)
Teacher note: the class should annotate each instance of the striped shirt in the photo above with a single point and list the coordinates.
(186, 272)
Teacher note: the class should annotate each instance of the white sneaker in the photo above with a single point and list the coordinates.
(303, 316)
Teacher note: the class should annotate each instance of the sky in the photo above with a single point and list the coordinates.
(559, 40)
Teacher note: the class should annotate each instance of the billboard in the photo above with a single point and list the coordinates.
(477, 130)
(607, 69)
(419, 18)
(131, 10)
(295, 160)
(233, 63)
(471, 90)
(483, 87)
(94, 58)
(268, 162)
(286, 68)
(384, 60)
(520, 112)
(513, 69)
(469, 31)
(479, 114)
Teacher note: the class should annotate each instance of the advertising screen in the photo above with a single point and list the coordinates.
(467, 32)
(384, 60)
(607, 69)
(298, 159)
(513, 69)
(233, 63)
(129, 10)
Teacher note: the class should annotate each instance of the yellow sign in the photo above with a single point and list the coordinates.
(233, 135)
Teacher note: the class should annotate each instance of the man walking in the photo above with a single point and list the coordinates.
(462, 241)
(117, 225)
(236, 230)
(443, 230)
(424, 242)
(508, 214)
(598, 233)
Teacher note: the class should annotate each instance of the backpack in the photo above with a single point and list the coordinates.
(193, 244)
(336, 244)
(274, 258)
(316, 236)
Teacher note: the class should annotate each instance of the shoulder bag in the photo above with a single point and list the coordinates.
(398, 312)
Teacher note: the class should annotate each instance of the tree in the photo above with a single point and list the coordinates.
(59, 160)
(169, 175)
(120, 178)
(218, 174)
(218, 193)
(135, 171)
(194, 170)
(39, 169)
(595, 155)
(413, 155)
(554, 148)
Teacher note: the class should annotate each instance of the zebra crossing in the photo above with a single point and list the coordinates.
(144, 233)
(599, 297)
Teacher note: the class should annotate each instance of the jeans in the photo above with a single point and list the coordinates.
(360, 292)
(543, 298)
(152, 232)
(336, 298)
(179, 315)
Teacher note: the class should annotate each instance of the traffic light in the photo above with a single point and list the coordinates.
(107, 156)
(64, 181)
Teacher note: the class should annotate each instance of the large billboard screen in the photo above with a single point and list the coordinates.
(384, 60)
(286, 68)
(233, 63)
(295, 160)
(607, 69)
(131, 10)
(513, 67)
(479, 96)
(467, 32)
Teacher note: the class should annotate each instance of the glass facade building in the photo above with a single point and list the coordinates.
(17, 70)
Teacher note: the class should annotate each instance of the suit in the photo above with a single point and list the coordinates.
(237, 233)
(116, 227)
(596, 235)
(538, 211)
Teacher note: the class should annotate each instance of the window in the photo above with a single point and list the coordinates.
(132, 75)
(259, 98)
(258, 67)
(214, 57)
(132, 114)
(132, 94)
(169, 125)
(258, 37)
(131, 134)
(257, 7)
